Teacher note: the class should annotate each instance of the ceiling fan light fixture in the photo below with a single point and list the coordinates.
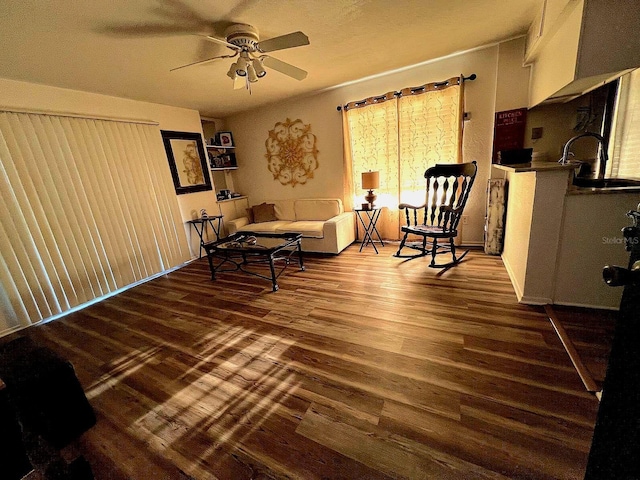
(249, 67)
(251, 74)
(241, 67)
(258, 68)
(232, 71)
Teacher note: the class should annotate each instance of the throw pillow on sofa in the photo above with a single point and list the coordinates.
(265, 212)
(250, 215)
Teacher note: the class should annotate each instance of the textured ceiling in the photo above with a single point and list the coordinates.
(126, 48)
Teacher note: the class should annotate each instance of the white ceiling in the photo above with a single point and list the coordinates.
(126, 48)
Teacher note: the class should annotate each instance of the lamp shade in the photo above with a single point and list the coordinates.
(370, 180)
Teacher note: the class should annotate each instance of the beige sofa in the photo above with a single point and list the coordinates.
(323, 223)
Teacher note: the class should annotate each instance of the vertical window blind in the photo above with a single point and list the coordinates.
(88, 207)
(624, 161)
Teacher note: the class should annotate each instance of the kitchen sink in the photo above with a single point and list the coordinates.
(605, 182)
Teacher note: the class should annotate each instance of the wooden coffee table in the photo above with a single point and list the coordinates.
(238, 252)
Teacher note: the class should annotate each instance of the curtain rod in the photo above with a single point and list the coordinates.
(471, 77)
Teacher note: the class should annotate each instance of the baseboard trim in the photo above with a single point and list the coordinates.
(110, 294)
(535, 300)
(15, 329)
(522, 298)
(588, 305)
(472, 244)
(514, 283)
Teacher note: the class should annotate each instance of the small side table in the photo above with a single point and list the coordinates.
(369, 228)
(200, 226)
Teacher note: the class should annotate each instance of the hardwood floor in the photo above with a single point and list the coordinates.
(362, 366)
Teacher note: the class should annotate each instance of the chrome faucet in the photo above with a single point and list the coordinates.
(602, 164)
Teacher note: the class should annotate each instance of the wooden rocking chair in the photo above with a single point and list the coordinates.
(448, 188)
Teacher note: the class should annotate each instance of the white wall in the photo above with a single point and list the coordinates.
(34, 97)
(544, 243)
(250, 129)
(557, 121)
(592, 238)
(512, 80)
(515, 255)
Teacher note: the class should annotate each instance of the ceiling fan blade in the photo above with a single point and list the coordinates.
(286, 68)
(220, 41)
(136, 30)
(201, 62)
(238, 83)
(290, 40)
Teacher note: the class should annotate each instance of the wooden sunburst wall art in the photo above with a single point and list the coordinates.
(292, 155)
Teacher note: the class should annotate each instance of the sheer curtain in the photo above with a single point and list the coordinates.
(401, 134)
(373, 133)
(88, 207)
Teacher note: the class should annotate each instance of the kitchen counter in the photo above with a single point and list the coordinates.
(536, 167)
(556, 167)
(573, 190)
(536, 195)
(558, 237)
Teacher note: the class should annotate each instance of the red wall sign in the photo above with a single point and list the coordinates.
(508, 132)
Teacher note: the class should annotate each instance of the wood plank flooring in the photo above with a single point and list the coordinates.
(362, 366)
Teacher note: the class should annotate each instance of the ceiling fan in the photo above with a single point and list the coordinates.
(245, 42)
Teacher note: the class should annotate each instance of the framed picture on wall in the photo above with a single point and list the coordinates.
(225, 139)
(187, 161)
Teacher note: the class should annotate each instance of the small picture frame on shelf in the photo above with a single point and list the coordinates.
(224, 139)
(226, 160)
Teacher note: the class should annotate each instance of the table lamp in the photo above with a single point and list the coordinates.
(370, 180)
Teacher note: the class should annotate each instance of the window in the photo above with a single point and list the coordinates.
(624, 144)
(402, 134)
(88, 208)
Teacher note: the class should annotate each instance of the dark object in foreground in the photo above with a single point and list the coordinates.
(615, 449)
(44, 400)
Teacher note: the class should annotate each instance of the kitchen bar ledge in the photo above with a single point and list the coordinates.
(558, 238)
(537, 167)
(535, 205)
(573, 189)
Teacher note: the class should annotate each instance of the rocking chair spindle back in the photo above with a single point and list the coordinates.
(448, 189)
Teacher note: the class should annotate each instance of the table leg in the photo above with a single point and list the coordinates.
(364, 230)
(211, 267)
(199, 232)
(374, 222)
(370, 229)
(273, 274)
(368, 239)
(216, 229)
(300, 262)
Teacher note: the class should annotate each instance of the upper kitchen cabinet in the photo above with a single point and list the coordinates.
(574, 46)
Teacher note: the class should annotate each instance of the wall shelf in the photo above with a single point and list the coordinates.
(232, 199)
